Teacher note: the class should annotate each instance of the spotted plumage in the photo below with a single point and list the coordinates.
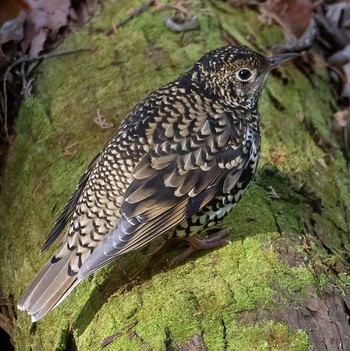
(179, 163)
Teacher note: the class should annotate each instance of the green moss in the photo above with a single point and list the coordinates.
(242, 25)
(199, 295)
(266, 336)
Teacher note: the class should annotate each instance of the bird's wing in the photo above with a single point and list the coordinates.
(186, 168)
(68, 210)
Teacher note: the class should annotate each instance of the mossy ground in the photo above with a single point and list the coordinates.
(209, 293)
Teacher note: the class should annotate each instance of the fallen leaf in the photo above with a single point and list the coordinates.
(339, 14)
(38, 41)
(81, 11)
(12, 29)
(277, 157)
(49, 14)
(346, 87)
(342, 60)
(341, 57)
(292, 15)
(45, 17)
(337, 18)
(342, 118)
(11, 9)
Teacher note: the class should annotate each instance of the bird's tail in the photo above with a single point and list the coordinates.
(48, 289)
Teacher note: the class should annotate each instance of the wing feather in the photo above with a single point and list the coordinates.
(68, 210)
(169, 186)
(115, 244)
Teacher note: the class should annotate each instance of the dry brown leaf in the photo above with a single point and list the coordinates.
(342, 60)
(38, 42)
(342, 118)
(277, 157)
(12, 29)
(49, 14)
(346, 86)
(338, 17)
(339, 14)
(341, 57)
(11, 9)
(292, 15)
(46, 17)
(84, 10)
(12, 17)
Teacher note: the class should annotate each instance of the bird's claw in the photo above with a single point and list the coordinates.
(207, 243)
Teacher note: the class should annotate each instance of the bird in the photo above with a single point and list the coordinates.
(177, 165)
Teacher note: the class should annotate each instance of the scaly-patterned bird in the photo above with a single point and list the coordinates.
(179, 162)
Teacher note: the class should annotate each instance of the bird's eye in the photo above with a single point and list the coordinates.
(244, 74)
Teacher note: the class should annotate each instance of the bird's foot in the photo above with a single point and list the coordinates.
(207, 243)
(168, 244)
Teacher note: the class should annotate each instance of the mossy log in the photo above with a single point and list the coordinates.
(281, 285)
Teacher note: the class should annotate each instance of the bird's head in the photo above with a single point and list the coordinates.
(236, 74)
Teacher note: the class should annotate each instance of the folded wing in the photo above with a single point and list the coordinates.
(171, 183)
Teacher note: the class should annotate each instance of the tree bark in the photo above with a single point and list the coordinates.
(281, 285)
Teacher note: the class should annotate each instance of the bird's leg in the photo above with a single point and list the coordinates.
(165, 246)
(208, 243)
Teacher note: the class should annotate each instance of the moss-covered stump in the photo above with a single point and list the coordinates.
(281, 285)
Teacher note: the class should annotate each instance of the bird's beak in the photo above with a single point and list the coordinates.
(280, 59)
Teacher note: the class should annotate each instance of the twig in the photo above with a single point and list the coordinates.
(71, 149)
(102, 122)
(132, 14)
(272, 193)
(22, 60)
(109, 339)
(26, 85)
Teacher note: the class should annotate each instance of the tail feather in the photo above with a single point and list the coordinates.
(48, 289)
